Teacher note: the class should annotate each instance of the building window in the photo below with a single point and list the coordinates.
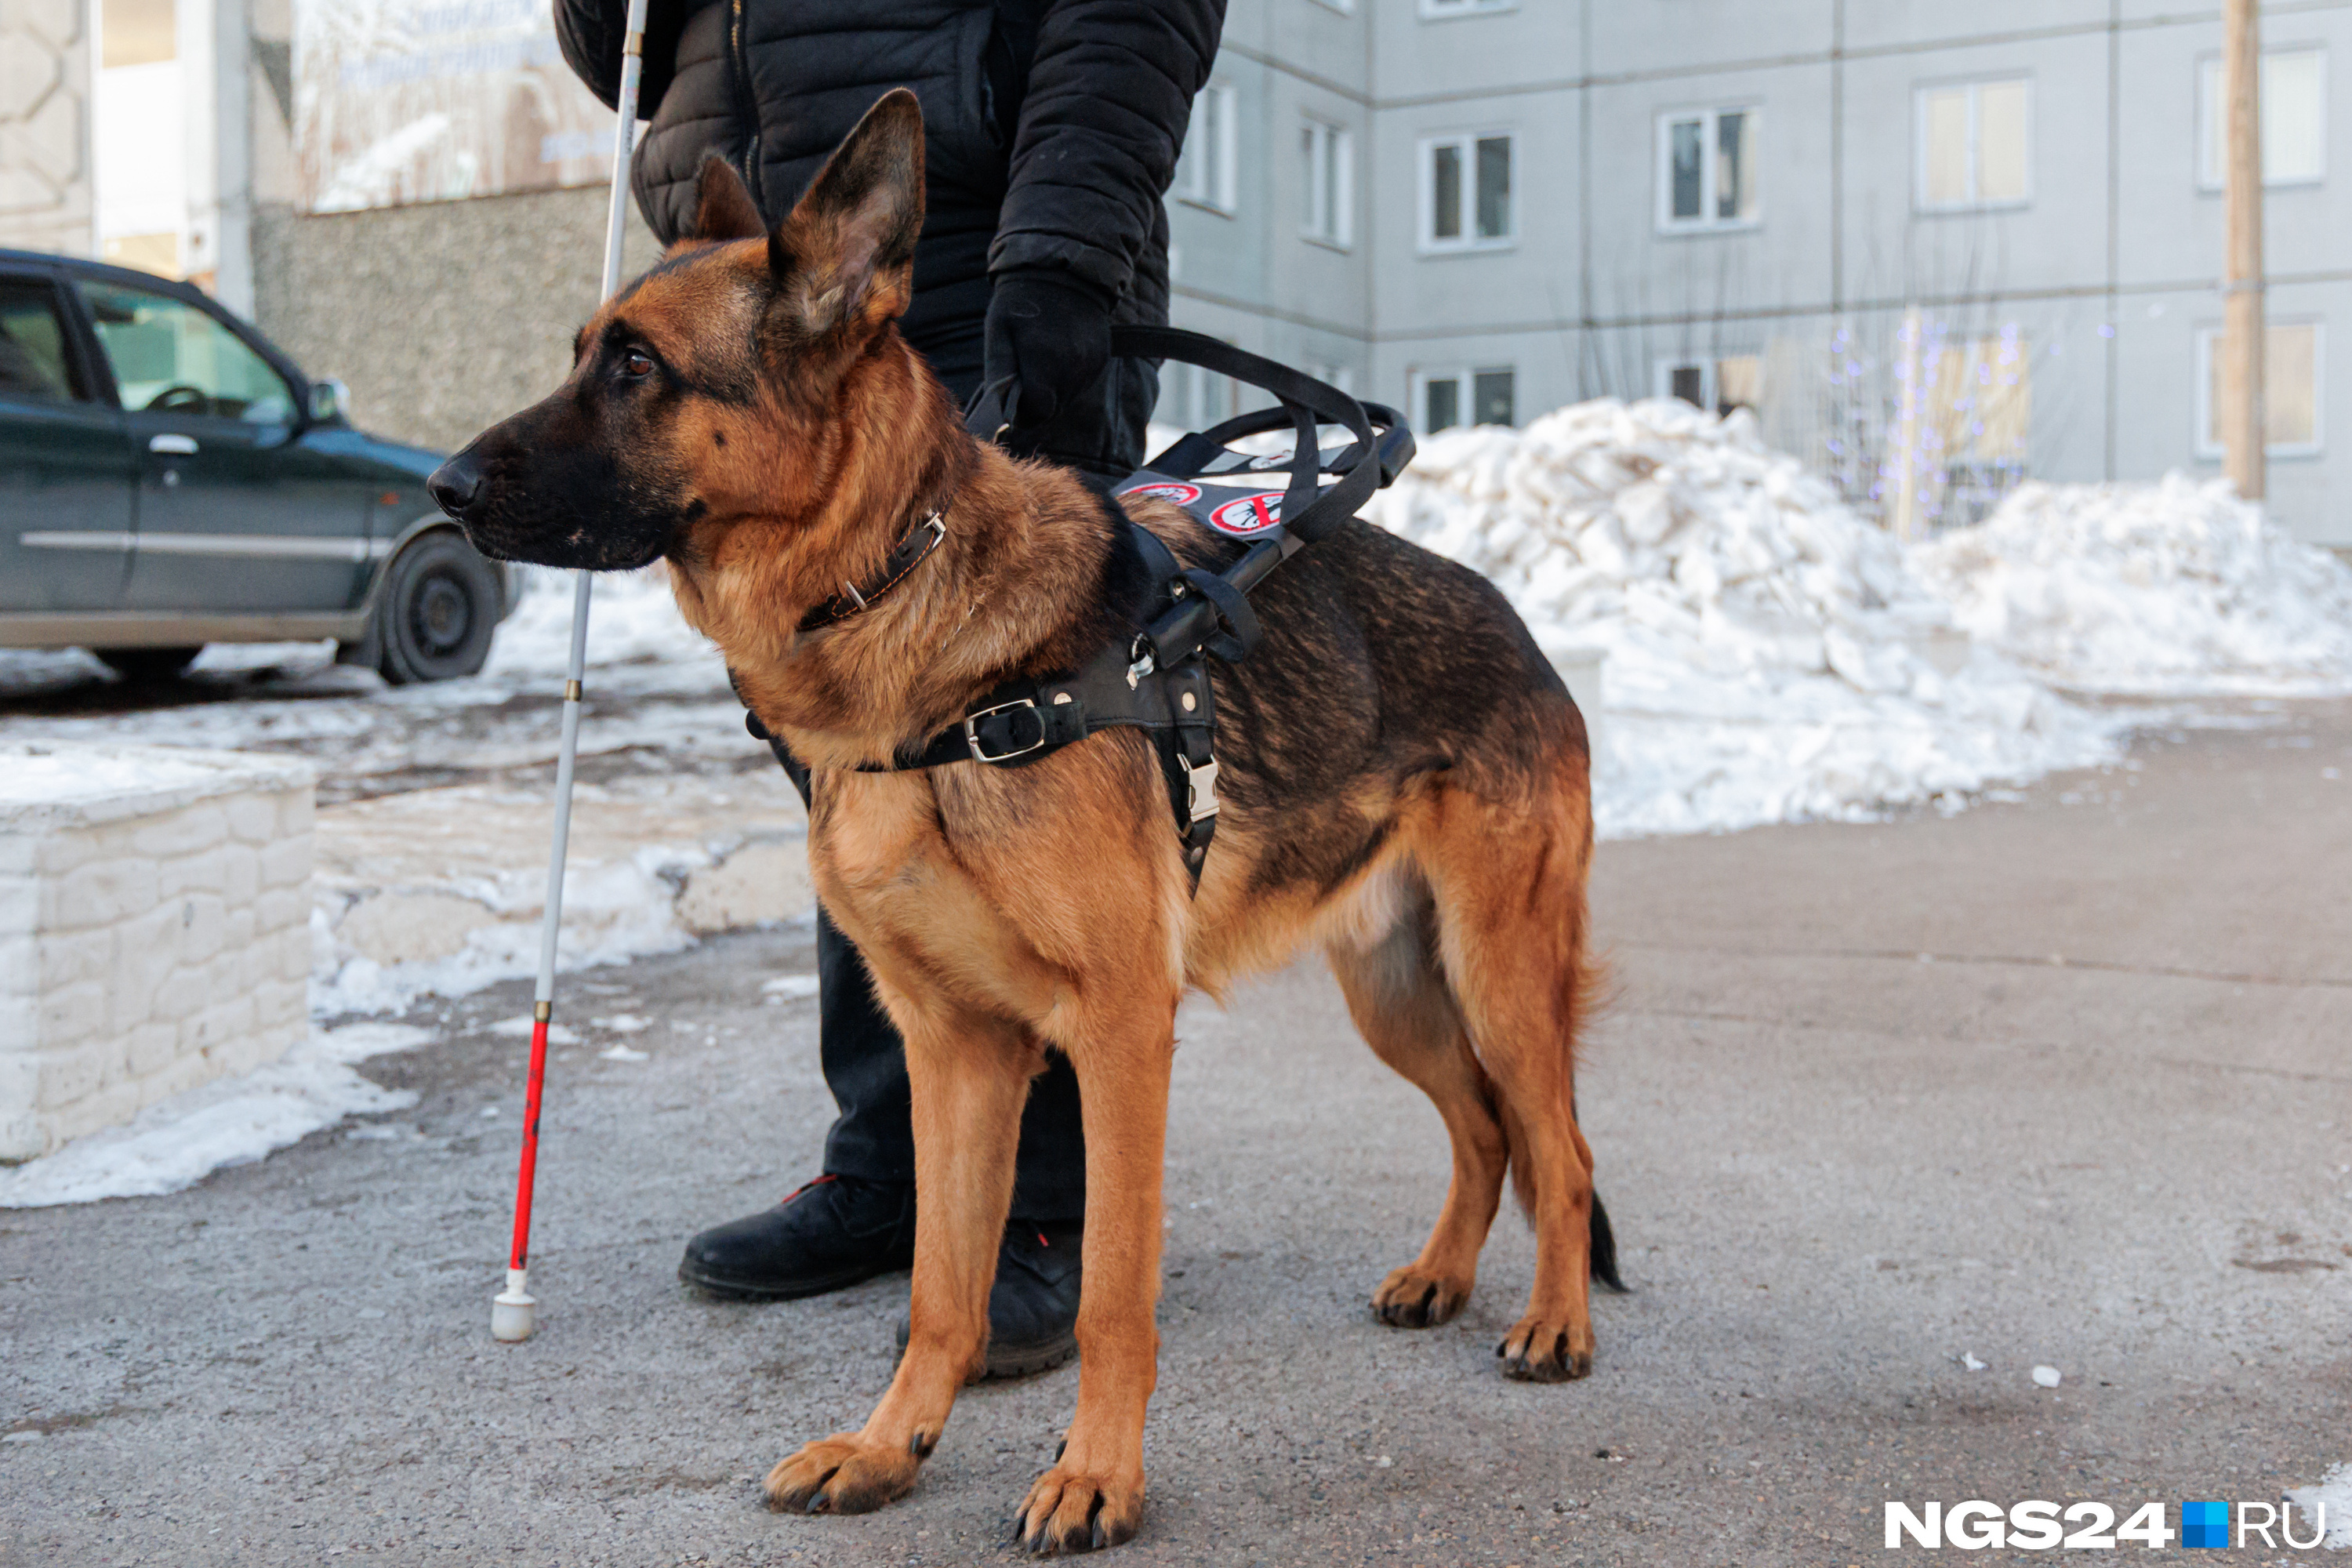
(2291, 390)
(1720, 385)
(137, 33)
(1444, 399)
(2294, 119)
(1978, 405)
(1466, 192)
(1437, 8)
(1208, 172)
(1707, 173)
(1326, 156)
(1194, 398)
(1975, 142)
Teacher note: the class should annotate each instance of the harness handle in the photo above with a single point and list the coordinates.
(1382, 446)
(1310, 511)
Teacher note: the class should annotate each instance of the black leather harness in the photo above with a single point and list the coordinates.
(1158, 680)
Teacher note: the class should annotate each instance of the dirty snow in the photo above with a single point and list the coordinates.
(613, 910)
(636, 638)
(2329, 1503)
(2177, 588)
(654, 686)
(1770, 656)
(178, 1141)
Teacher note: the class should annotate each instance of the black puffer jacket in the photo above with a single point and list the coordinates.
(1053, 126)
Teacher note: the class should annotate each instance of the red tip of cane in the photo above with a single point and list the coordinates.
(528, 1169)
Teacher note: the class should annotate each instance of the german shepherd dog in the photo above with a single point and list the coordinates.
(1404, 782)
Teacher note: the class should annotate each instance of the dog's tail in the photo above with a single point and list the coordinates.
(1601, 1235)
(1604, 1249)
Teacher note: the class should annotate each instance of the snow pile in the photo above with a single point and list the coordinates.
(2328, 1503)
(1771, 656)
(2176, 587)
(178, 1141)
(613, 910)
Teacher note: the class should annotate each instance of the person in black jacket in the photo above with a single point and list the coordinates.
(1051, 129)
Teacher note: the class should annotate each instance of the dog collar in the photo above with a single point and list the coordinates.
(918, 542)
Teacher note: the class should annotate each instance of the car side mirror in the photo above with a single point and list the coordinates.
(330, 400)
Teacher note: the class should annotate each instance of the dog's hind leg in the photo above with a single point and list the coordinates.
(970, 1076)
(1509, 883)
(1407, 1014)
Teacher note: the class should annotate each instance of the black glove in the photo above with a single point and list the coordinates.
(1051, 333)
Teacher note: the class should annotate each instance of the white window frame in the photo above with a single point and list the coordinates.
(1339, 201)
(1416, 393)
(1219, 167)
(1975, 86)
(2208, 335)
(1469, 239)
(2208, 105)
(1711, 116)
(1446, 10)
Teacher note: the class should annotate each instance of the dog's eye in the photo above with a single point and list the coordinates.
(637, 363)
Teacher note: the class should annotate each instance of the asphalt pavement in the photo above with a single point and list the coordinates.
(2063, 1081)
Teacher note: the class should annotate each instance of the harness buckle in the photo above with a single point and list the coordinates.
(981, 753)
(1202, 788)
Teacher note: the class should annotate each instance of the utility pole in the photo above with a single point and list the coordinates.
(2239, 410)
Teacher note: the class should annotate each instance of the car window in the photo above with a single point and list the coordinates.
(172, 358)
(34, 367)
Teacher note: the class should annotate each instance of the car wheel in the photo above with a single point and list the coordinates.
(440, 603)
(142, 665)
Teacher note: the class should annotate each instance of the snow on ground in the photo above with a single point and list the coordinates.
(1770, 658)
(2328, 1503)
(178, 1141)
(2177, 588)
(613, 910)
(636, 640)
(653, 685)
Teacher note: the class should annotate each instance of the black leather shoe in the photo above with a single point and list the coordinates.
(1032, 1309)
(828, 1236)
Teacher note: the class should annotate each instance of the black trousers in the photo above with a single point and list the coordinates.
(863, 1059)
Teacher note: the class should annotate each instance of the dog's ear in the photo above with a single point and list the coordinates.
(846, 254)
(723, 207)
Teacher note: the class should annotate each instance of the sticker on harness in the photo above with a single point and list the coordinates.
(1249, 514)
(1182, 495)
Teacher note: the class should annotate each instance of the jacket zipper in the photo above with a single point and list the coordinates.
(742, 95)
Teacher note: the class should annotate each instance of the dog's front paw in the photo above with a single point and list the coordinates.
(845, 1473)
(1069, 1510)
(1413, 1297)
(1540, 1349)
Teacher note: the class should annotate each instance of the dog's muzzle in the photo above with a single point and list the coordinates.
(456, 487)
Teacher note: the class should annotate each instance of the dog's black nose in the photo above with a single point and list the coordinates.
(457, 485)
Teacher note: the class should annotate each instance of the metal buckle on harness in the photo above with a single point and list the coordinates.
(1202, 789)
(981, 753)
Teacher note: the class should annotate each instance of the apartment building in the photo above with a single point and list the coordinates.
(1983, 242)
(1964, 245)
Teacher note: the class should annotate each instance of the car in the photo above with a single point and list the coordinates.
(169, 479)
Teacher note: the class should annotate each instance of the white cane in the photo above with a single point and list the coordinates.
(514, 1311)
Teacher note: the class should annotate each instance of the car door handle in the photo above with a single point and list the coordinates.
(179, 445)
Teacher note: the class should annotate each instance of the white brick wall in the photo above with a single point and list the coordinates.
(154, 909)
